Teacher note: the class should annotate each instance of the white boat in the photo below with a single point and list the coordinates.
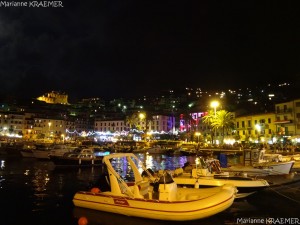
(272, 163)
(207, 173)
(263, 164)
(42, 151)
(61, 149)
(78, 157)
(162, 200)
(276, 168)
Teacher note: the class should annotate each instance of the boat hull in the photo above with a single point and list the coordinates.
(68, 161)
(263, 169)
(41, 154)
(245, 186)
(27, 153)
(214, 200)
(278, 167)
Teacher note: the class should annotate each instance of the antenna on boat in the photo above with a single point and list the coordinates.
(197, 162)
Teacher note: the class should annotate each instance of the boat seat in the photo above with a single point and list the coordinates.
(144, 186)
(136, 192)
(140, 189)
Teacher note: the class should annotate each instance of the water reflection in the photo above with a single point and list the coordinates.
(95, 217)
(2, 165)
(156, 162)
(2, 179)
(164, 162)
(39, 180)
(42, 194)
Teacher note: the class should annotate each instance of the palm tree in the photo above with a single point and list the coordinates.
(223, 120)
(208, 119)
(133, 121)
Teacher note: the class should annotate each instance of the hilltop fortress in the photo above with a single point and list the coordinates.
(54, 98)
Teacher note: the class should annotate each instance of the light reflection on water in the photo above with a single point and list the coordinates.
(160, 162)
(37, 191)
(164, 162)
(42, 194)
(155, 162)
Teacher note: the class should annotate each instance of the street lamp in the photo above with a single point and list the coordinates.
(142, 118)
(215, 104)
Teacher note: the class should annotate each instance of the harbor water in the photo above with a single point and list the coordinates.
(36, 192)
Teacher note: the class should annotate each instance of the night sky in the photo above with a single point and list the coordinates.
(130, 48)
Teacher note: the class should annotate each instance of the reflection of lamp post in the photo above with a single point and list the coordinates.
(197, 161)
(215, 104)
(197, 134)
(29, 133)
(258, 128)
(49, 128)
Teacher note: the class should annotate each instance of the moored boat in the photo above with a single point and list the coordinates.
(262, 164)
(60, 149)
(276, 168)
(42, 151)
(152, 198)
(208, 173)
(271, 162)
(78, 157)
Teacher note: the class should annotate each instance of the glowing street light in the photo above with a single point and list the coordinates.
(257, 127)
(142, 117)
(215, 104)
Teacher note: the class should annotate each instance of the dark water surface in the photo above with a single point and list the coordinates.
(38, 193)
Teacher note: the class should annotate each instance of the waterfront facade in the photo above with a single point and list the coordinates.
(110, 125)
(281, 125)
(256, 128)
(157, 123)
(287, 120)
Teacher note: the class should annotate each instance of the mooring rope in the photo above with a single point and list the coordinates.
(285, 196)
